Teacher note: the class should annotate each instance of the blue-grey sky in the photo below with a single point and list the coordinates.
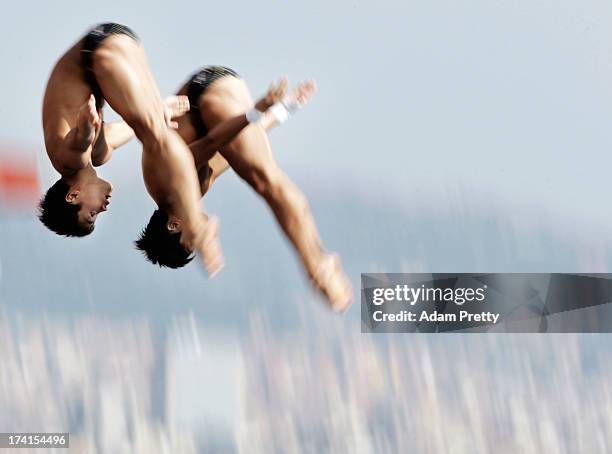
(445, 135)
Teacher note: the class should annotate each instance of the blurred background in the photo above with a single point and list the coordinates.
(445, 137)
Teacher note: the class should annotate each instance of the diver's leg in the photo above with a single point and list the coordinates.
(121, 70)
(250, 155)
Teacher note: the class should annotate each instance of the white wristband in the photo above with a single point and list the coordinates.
(253, 115)
(291, 104)
(279, 111)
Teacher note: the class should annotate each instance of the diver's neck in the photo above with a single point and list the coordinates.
(84, 175)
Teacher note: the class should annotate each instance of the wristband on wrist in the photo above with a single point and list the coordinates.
(253, 115)
(279, 111)
(291, 104)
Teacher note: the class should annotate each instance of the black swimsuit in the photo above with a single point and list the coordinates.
(198, 83)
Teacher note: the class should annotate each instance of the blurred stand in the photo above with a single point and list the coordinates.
(323, 387)
(19, 182)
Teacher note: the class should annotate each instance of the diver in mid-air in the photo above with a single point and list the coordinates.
(109, 64)
(216, 95)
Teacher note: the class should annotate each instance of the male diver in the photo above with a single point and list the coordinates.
(217, 94)
(109, 63)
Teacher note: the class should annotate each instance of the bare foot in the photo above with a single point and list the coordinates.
(333, 284)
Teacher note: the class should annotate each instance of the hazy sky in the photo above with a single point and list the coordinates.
(442, 132)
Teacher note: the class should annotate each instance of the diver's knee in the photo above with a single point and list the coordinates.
(276, 188)
(150, 131)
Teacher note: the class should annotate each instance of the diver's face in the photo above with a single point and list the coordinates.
(93, 198)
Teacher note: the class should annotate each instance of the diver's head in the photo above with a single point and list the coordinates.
(72, 209)
(160, 242)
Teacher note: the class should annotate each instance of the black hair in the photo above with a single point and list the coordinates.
(60, 216)
(161, 246)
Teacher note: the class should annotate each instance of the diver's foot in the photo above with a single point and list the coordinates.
(333, 284)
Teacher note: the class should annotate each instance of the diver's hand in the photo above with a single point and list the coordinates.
(300, 95)
(204, 241)
(275, 93)
(174, 107)
(89, 122)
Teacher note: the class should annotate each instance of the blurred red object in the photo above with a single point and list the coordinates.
(19, 186)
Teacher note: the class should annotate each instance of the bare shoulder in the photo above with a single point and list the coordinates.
(65, 159)
(66, 88)
(154, 180)
(65, 93)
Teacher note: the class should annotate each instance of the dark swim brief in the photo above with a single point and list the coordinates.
(91, 41)
(198, 84)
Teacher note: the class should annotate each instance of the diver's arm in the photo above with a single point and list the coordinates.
(112, 136)
(277, 108)
(81, 137)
